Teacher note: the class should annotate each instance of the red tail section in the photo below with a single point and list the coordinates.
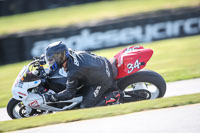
(131, 60)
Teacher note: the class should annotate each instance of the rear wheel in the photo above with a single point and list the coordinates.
(145, 84)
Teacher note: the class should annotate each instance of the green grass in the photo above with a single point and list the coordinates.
(174, 59)
(84, 114)
(8, 74)
(83, 13)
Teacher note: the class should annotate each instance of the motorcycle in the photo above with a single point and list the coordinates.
(135, 82)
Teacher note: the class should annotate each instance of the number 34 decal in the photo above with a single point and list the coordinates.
(131, 67)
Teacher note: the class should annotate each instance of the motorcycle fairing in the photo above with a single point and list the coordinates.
(20, 89)
(131, 60)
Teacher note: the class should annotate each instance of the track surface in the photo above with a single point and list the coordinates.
(173, 89)
(184, 119)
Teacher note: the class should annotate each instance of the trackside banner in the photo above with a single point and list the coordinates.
(140, 28)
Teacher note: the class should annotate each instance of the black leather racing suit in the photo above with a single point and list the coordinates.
(95, 72)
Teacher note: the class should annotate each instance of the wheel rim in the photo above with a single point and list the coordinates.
(153, 89)
(19, 111)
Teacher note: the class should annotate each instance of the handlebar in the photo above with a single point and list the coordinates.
(39, 62)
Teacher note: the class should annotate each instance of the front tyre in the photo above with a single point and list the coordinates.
(14, 109)
(141, 81)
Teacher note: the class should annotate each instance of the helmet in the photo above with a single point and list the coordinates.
(56, 54)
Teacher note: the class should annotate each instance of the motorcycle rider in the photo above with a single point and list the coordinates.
(82, 68)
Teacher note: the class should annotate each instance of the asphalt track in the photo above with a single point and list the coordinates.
(183, 119)
(173, 89)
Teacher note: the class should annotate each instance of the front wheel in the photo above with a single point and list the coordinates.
(16, 110)
(144, 84)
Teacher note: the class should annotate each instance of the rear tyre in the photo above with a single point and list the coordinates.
(145, 77)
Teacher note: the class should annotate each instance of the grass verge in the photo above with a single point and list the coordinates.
(174, 59)
(81, 13)
(99, 112)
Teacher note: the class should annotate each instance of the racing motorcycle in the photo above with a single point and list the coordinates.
(36, 79)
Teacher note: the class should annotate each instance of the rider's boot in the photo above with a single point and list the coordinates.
(113, 98)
